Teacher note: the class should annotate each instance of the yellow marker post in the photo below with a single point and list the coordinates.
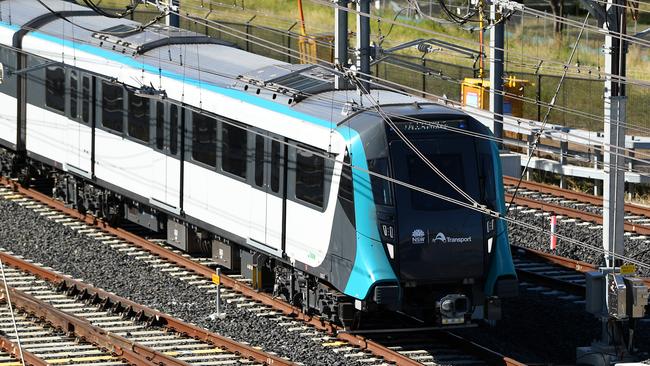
(628, 269)
(216, 279)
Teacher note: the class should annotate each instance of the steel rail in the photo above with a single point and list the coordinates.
(573, 195)
(318, 323)
(166, 320)
(576, 214)
(11, 347)
(133, 352)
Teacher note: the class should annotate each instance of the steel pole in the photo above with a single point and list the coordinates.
(614, 127)
(363, 41)
(497, 36)
(341, 39)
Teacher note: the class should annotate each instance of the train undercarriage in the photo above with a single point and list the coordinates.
(261, 271)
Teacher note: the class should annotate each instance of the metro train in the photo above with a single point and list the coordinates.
(262, 164)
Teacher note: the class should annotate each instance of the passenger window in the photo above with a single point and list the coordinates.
(55, 88)
(234, 150)
(310, 177)
(112, 106)
(259, 160)
(160, 125)
(74, 89)
(173, 129)
(138, 117)
(204, 139)
(86, 102)
(276, 161)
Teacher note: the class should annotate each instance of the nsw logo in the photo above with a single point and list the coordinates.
(418, 236)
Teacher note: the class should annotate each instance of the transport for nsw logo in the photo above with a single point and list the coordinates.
(418, 236)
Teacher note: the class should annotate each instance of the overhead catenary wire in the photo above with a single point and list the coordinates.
(629, 125)
(264, 43)
(596, 142)
(444, 35)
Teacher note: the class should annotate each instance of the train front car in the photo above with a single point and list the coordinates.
(451, 264)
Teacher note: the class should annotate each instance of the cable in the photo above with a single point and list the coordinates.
(385, 81)
(567, 110)
(548, 112)
(595, 142)
(232, 77)
(525, 99)
(11, 310)
(128, 10)
(429, 31)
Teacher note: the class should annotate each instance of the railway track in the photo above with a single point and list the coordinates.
(574, 204)
(197, 271)
(537, 271)
(124, 331)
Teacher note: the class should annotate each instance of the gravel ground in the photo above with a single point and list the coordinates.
(26, 233)
(532, 325)
(538, 329)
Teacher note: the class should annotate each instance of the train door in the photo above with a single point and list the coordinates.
(86, 124)
(165, 188)
(73, 128)
(267, 192)
(78, 130)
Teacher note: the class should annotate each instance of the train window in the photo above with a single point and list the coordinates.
(86, 102)
(112, 106)
(310, 177)
(138, 117)
(204, 139)
(74, 88)
(276, 161)
(234, 150)
(451, 165)
(8, 60)
(55, 88)
(346, 191)
(381, 188)
(259, 160)
(160, 125)
(173, 129)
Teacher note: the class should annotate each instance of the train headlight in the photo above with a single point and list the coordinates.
(387, 232)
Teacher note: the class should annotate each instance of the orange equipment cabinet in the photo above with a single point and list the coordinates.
(476, 93)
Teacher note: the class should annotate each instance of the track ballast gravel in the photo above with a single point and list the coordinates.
(533, 323)
(591, 235)
(27, 233)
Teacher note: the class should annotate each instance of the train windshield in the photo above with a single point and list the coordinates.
(452, 153)
(419, 173)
